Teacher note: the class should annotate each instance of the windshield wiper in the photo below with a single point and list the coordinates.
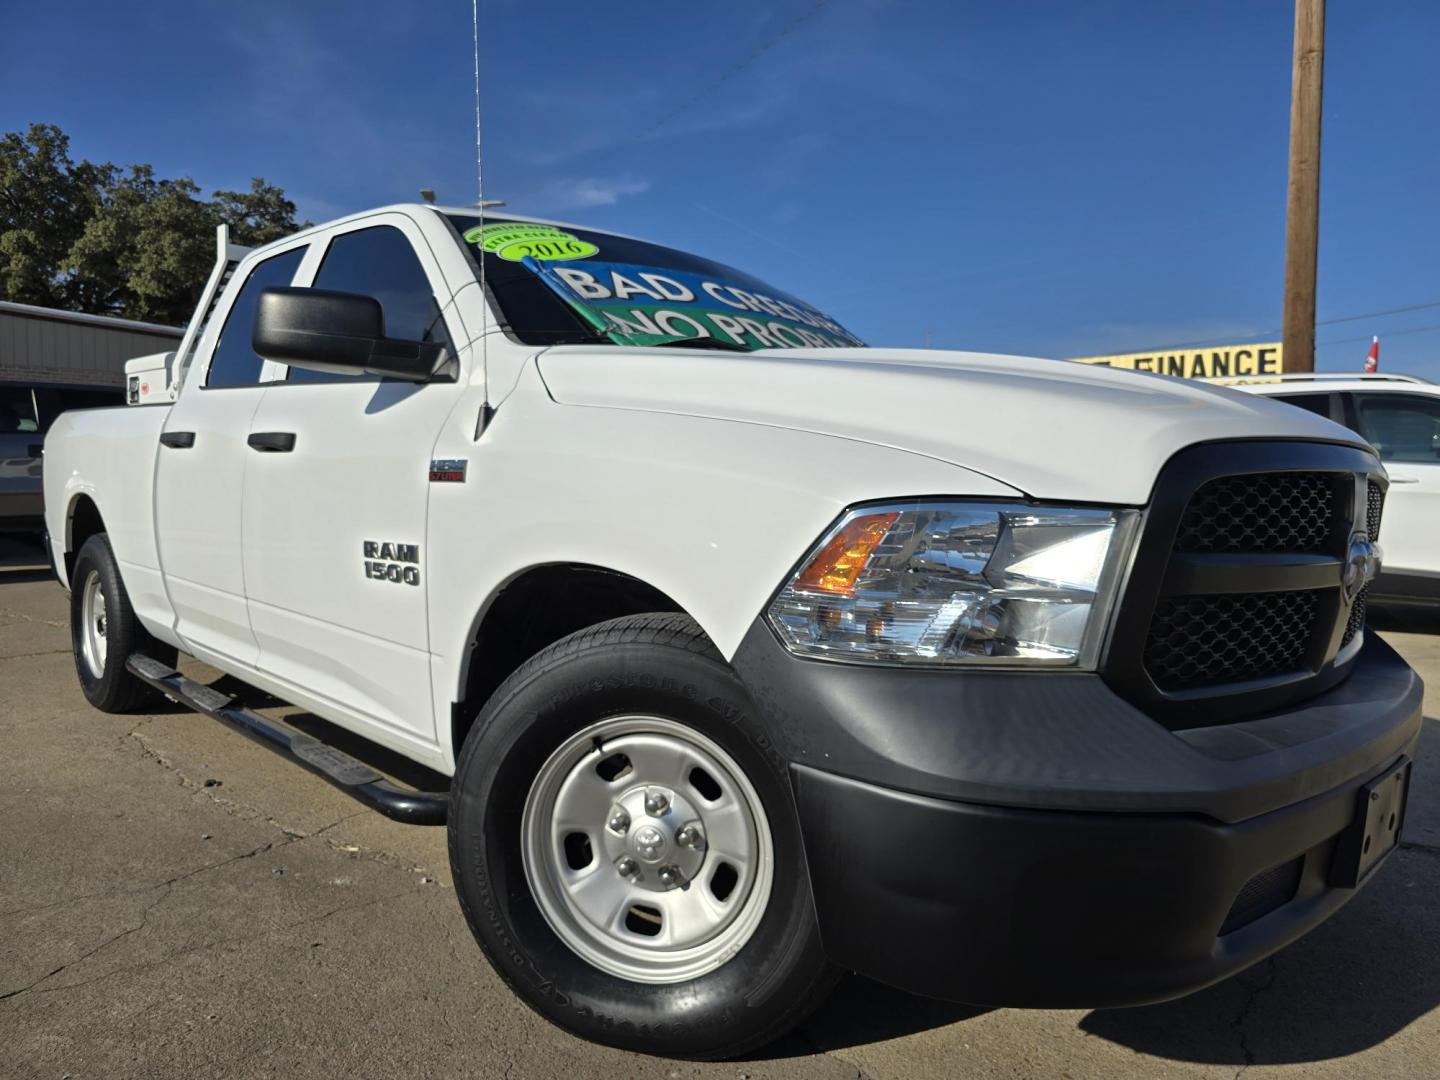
(700, 343)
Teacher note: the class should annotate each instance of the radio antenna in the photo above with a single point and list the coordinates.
(480, 202)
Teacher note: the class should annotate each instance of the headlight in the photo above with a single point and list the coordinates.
(947, 583)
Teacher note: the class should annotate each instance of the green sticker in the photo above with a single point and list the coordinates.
(513, 240)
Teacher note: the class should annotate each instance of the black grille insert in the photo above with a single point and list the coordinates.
(1279, 511)
(1267, 891)
(1374, 508)
(1205, 640)
(1356, 622)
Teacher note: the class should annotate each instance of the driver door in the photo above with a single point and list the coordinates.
(336, 496)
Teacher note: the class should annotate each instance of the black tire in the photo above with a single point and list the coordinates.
(659, 665)
(112, 689)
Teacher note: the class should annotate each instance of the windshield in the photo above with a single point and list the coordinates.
(557, 286)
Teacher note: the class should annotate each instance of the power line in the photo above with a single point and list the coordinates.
(1377, 314)
(1392, 333)
(1323, 322)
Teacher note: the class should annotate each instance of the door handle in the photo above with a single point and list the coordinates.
(177, 440)
(1404, 479)
(272, 442)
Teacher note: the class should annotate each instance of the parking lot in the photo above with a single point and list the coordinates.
(176, 900)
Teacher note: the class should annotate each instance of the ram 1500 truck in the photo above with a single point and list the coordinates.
(756, 655)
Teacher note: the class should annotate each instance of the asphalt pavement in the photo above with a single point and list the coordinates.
(177, 901)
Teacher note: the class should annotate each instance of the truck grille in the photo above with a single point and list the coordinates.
(1205, 640)
(1236, 600)
(1208, 640)
(1287, 511)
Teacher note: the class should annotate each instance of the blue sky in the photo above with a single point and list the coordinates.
(1050, 178)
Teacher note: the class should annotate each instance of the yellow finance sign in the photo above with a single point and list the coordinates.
(1252, 360)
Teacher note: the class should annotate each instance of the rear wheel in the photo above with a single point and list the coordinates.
(626, 850)
(104, 631)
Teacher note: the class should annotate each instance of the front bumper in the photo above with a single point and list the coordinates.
(1033, 840)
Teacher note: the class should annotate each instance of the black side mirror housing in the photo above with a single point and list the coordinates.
(338, 332)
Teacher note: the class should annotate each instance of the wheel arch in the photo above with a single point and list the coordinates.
(532, 609)
(82, 521)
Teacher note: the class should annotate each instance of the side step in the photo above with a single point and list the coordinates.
(353, 777)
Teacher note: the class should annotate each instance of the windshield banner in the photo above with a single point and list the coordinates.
(645, 305)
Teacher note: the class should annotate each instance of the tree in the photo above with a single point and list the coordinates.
(45, 201)
(146, 251)
(104, 240)
(256, 216)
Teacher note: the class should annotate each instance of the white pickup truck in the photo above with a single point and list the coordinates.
(755, 655)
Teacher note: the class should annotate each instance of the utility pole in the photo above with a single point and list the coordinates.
(1302, 206)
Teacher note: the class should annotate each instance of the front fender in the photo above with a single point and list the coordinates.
(712, 513)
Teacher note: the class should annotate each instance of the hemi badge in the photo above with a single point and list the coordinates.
(447, 471)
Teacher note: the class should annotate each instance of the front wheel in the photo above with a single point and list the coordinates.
(625, 846)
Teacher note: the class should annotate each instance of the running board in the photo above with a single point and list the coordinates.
(355, 778)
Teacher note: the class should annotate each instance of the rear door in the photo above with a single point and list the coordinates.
(200, 471)
(1404, 427)
(335, 543)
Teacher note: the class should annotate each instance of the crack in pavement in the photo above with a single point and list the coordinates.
(202, 947)
(11, 613)
(1238, 1024)
(233, 807)
(140, 888)
(144, 919)
(270, 845)
(245, 811)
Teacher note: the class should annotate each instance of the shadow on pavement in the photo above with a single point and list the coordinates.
(862, 1011)
(23, 558)
(1353, 983)
(10, 575)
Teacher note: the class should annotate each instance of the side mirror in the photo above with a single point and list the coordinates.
(338, 332)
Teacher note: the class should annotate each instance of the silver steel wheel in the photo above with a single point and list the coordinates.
(93, 626)
(647, 849)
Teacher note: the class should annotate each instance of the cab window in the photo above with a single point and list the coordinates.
(235, 362)
(379, 262)
(1401, 427)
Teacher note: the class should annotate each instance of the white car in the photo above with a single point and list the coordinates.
(1399, 415)
(754, 654)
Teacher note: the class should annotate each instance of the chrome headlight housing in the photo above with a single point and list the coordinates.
(944, 583)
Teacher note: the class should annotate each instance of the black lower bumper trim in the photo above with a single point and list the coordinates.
(1067, 741)
(355, 778)
(1000, 906)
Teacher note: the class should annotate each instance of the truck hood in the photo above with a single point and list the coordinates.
(1050, 428)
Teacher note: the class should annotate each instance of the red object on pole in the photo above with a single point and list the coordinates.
(1372, 358)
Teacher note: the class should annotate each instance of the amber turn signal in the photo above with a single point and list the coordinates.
(837, 566)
